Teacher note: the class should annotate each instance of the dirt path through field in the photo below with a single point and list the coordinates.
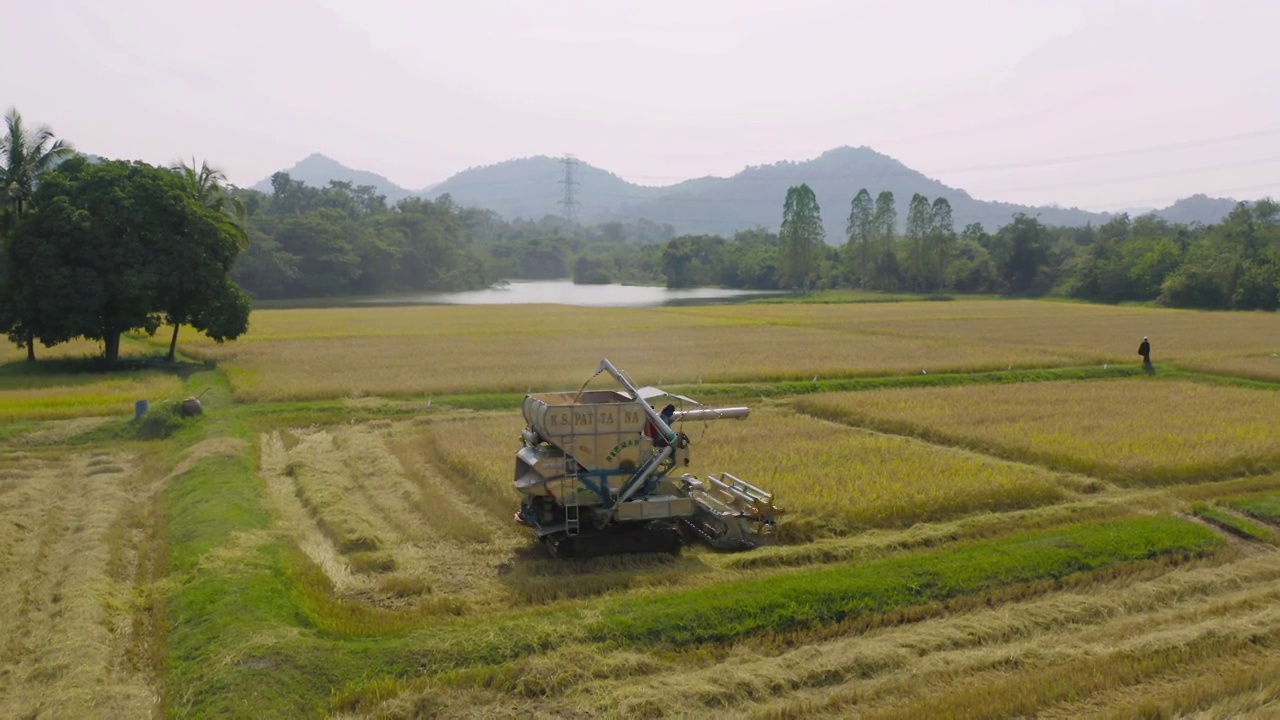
(70, 542)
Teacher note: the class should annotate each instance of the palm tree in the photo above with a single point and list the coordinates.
(26, 155)
(207, 186)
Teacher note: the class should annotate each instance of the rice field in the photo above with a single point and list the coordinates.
(50, 398)
(1074, 548)
(1129, 431)
(1265, 366)
(839, 480)
(421, 365)
(353, 352)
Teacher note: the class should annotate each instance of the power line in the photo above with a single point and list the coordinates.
(1069, 159)
(1060, 160)
(1157, 176)
(907, 171)
(702, 199)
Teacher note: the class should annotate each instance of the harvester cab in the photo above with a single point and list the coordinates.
(601, 472)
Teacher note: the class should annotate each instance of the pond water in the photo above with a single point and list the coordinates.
(564, 292)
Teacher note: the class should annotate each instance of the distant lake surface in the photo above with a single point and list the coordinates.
(564, 292)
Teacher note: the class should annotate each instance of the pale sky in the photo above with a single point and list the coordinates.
(1101, 104)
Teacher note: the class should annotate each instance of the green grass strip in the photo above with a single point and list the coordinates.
(843, 297)
(1241, 526)
(407, 406)
(1265, 507)
(804, 600)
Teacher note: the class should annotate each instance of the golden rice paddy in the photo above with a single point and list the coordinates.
(87, 395)
(1131, 431)
(299, 354)
(398, 531)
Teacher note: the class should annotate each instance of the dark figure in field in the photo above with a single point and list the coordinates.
(1145, 351)
(651, 430)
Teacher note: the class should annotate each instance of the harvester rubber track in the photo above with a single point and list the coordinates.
(617, 540)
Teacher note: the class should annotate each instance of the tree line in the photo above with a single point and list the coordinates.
(95, 249)
(344, 240)
(1234, 264)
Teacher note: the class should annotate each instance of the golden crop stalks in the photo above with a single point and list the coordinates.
(1129, 431)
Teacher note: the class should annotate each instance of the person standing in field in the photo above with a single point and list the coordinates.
(1145, 351)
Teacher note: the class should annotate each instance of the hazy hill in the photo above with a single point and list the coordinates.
(317, 170)
(754, 196)
(533, 187)
(1198, 208)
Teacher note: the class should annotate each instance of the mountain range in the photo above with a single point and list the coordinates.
(533, 187)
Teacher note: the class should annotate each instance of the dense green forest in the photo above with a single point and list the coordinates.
(343, 240)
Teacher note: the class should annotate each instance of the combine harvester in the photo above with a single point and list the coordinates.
(598, 474)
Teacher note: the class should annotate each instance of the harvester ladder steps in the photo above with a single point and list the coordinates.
(570, 497)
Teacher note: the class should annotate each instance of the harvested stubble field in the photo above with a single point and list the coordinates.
(72, 547)
(1000, 549)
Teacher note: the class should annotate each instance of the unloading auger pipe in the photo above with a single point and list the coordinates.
(644, 474)
(654, 417)
(732, 413)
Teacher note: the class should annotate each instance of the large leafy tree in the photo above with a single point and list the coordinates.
(113, 245)
(196, 291)
(1020, 250)
(690, 260)
(801, 237)
(26, 154)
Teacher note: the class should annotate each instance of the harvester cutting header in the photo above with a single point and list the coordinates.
(598, 473)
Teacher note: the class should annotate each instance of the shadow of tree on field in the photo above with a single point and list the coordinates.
(53, 372)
